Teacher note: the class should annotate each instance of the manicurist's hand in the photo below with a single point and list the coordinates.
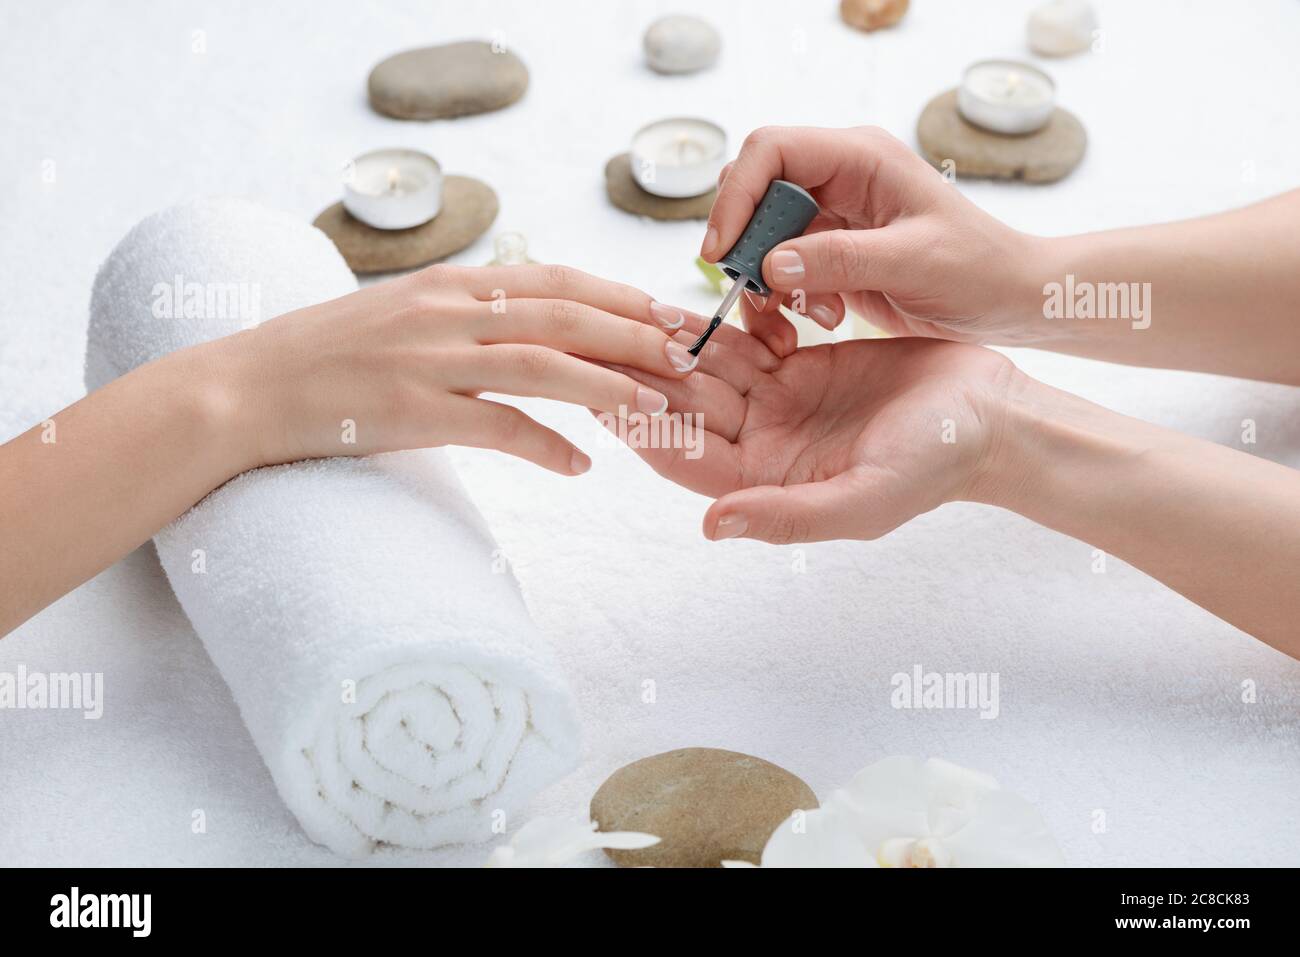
(898, 244)
(395, 366)
(405, 362)
(901, 246)
(853, 439)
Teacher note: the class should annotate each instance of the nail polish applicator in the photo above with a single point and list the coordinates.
(783, 213)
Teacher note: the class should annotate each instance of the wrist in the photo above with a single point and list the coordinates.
(214, 386)
(1038, 265)
(1049, 448)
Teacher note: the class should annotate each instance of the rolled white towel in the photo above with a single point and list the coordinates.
(377, 647)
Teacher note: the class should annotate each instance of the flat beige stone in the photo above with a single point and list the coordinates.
(706, 806)
(455, 79)
(626, 193)
(1043, 156)
(468, 209)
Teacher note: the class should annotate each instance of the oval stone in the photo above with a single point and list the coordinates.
(468, 209)
(706, 806)
(872, 14)
(626, 193)
(1043, 156)
(681, 44)
(455, 79)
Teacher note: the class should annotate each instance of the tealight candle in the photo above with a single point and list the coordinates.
(679, 157)
(1006, 96)
(393, 188)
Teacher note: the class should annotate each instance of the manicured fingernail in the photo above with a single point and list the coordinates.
(579, 463)
(667, 316)
(651, 402)
(710, 240)
(755, 300)
(729, 526)
(788, 263)
(680, 357)
(824, 316)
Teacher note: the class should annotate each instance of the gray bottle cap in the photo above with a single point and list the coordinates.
(783, 213)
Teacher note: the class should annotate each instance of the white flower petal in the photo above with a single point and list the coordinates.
(954, 793)
(555, 841)
(891, 799)
(1005, 831)
(826, 837)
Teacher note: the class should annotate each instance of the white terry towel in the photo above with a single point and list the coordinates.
(378, 649)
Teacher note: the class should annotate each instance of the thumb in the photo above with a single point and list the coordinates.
(834, 260)
(840, 507)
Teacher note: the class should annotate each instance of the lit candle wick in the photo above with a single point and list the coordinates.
(393, 177)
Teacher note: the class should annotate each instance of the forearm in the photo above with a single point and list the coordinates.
(1217, 294)
(98, 479)
(1219, 526)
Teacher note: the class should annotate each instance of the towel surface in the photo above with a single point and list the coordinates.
(378, 649)
(1117, 696)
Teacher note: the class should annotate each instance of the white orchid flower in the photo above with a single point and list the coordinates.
(556, 841)
(905, 812)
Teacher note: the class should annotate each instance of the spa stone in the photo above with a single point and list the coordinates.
(705, 805)
(456, 79)
(468, 209)
(872, 14)
(1043, 156)
(626, 193)
(681, 44)
(1061, 27)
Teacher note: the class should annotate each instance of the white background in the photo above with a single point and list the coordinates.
(1116, 694)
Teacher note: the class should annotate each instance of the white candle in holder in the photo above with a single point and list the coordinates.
(393, 188)
(679, 157)
(1006, 96)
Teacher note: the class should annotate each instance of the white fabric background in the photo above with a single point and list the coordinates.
(1116, 694)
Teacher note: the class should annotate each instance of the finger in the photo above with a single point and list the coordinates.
(846, 506)
(728, 343)
(575, 327)
(700, 460)
(839, 260)
(512, 369)
(484, 424)
(825, 309)
(772, 328)
(729, 354)
(807, 156)
(546, 281)
(719, 407)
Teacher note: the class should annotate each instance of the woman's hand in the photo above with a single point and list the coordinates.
(895, 242)
(837, 441)
(402, 364)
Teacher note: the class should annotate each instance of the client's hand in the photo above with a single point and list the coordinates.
(838, 441)
(401, 364)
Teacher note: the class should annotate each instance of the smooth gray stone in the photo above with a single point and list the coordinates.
(455, 79)
(681, 44)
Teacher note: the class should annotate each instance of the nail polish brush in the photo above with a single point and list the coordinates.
(783, 213)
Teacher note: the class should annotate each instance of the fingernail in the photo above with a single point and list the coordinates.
(729, 526)
(579, 463)
(755, 299)
(787, 262)
(667, 316)
(824, 316)
(680, 357)
(651, 402)
(710, 240)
